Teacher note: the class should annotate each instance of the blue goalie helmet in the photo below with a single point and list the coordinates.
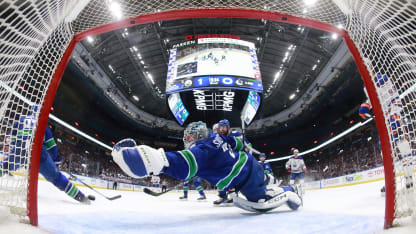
(194, 132)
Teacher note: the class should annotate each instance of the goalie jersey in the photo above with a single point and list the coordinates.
(215, 159)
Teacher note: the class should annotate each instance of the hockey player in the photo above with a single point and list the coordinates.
(225, 129)
(197, 183)
(213, 159)
(266, 165)
(267, 168)
(296, 167)
(21, 133)
(155, 180)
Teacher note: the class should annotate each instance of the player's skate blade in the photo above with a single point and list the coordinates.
(83, 199)
(223, 203)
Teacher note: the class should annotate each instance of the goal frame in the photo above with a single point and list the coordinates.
(211, 13)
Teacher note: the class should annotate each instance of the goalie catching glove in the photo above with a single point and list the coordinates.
(139, 161)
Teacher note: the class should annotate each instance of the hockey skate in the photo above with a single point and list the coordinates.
(223, 201)
(183, 198)
(82, 198)
(202, 198)
(383, 191)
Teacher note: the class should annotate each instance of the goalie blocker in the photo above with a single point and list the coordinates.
(213, 159)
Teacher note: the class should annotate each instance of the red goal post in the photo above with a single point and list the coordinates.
(37, 39)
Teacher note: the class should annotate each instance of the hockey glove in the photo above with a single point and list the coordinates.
(128, 142)
(140, 161)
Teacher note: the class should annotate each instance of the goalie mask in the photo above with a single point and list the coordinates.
(194, 132)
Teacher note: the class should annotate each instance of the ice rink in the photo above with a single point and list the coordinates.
(351, 209)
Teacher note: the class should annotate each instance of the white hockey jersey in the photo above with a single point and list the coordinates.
(296, 165)
(155, 179)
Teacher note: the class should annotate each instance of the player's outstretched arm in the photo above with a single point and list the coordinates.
(141, 161)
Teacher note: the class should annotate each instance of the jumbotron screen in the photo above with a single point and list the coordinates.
(208, 63)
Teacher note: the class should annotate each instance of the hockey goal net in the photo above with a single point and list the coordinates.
(37, 38)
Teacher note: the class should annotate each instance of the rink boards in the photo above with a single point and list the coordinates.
(368, 176)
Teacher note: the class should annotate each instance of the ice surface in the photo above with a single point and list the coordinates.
(352, 209)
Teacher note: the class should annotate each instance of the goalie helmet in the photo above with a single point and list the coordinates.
(194, 132)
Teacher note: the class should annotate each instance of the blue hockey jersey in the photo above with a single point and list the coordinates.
(22, 133)
(267, 168)
(216, 159)
(238, 138)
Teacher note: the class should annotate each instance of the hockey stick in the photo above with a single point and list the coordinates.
(156, 194)
(82, 182)
(243, 128)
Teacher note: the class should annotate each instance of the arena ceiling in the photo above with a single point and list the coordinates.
(129, 55)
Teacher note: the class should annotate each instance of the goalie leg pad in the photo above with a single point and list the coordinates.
(290, 198)
(294, 201)
(262, 207)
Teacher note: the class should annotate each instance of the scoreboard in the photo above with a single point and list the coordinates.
(210, 79)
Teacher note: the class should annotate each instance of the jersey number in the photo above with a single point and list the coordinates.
(226, 147)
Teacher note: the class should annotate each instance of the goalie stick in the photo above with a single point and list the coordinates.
(82, 182)
(156, 194)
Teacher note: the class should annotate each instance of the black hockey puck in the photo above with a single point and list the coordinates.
(91, 197)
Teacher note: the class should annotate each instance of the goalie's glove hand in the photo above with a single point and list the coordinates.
(139, 161)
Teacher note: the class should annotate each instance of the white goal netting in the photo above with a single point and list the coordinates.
(35, 34)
